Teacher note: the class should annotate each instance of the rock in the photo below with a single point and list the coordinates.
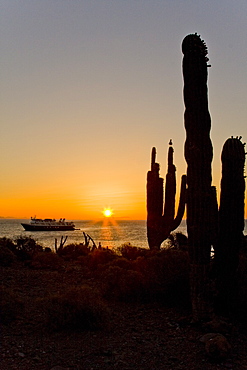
(208, 336)
(37, 359)
(217, 347)
(219, 326)
(228, 365)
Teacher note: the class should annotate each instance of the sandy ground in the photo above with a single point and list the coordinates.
(138, 336)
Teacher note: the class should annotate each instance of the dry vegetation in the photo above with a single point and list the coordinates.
(123, 309)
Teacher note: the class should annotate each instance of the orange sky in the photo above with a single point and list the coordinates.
(87, 89)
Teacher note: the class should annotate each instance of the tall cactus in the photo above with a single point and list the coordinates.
(231, 217)
(201, 196)
(161, 222)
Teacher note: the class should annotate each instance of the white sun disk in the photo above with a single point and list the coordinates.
(107, 212)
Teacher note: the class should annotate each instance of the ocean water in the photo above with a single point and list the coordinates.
(109, 232)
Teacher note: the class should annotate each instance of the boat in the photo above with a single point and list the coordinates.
(48, 224)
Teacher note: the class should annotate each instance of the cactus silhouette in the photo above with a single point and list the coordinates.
(206, 226)
(161, 218)
(201, 196)
(231, 216)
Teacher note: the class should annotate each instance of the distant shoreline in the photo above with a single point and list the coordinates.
(79, 219)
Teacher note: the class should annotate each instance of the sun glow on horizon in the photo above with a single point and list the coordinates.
(108, 212)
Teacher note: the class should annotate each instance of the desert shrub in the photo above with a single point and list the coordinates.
(123, 285)
(6, 256)
(242, 272)
(10, 306)
(241, 282)
(121, 262)
(82, 261)
(73, 251)
(7, 243)
(26, 247)
(181, 240)
(166, 275)
(178, 241)
(175, 277)
(130, 252)
(100, 257)
(43, 260)
(161, 276)
(76, 309)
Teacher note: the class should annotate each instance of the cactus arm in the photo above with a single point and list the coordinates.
(154, 202)
(182, 202)
(160, 223)
(154, 189)
(153, 159)
(231, 211)
(170, 190)
(231, 218)
(232, 188)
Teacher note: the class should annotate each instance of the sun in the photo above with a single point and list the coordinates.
(108, 212)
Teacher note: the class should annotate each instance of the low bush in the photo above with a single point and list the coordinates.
(7, 243)
(100, 257)
(10, 306)
(76, 309)
(162, 276)
(242, 289)
(130, 252)
(166, 275)
(6, 256)
(178, 241)
(46, 260)
(121, 262)
(73, 251)
(123, 285)
(26, 247)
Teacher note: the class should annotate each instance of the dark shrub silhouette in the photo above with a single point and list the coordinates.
(6, 256)
(73, 251)
(166, 276)
(239, 307)
(11, 306)
(121, 262)
(48, 261)
(7, 243)
(130, 252)
(178, 241)
(26, 247)
(123, 285)
(100, 257)
(76, 309)
(162, 276)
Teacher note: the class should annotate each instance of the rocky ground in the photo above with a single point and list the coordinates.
(138, 336)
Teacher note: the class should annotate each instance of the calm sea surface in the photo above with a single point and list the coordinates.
(111, 233)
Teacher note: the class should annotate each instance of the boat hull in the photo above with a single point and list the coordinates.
(29, 227)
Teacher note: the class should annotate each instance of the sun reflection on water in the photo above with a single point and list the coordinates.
(110, 230)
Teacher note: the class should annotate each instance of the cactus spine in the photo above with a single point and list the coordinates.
(201, 198)
(161, 222)
(231, 217)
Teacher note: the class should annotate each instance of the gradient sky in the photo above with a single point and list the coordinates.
(88, 87)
